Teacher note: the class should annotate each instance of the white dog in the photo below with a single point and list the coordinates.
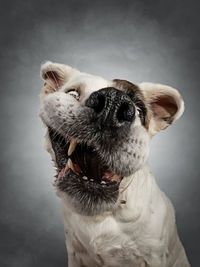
(98, 134)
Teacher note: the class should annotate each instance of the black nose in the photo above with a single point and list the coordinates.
(111, 107)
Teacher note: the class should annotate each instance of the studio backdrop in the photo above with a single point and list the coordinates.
(155, 41)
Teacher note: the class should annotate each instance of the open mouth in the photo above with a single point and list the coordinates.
(81, 161)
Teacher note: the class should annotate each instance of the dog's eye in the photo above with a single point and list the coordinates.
(73, 92)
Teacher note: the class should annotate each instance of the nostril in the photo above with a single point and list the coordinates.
(111, 108)
(96, 101)
(126, 112)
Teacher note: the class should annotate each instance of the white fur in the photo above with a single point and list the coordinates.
(141, 231)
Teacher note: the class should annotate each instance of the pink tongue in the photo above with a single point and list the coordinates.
(63, 171)
(107, 175)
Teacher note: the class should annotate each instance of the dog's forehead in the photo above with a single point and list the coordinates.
(87, 82)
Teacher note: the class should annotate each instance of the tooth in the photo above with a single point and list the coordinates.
(70, 164)
(115, 177)
(103, 182)
(85, 178)
(91, 180)
(72, 147)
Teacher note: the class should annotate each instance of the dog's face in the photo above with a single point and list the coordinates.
(98, 132)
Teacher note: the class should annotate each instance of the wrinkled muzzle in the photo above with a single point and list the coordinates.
(96, 144)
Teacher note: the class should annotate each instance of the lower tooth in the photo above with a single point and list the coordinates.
(103, 182)
(91, 180)
(85, 178)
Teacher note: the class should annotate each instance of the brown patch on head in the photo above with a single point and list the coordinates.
(137, 97)
(125, 85)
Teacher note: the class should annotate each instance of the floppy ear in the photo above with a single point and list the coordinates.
(165, 105)
(55, 76)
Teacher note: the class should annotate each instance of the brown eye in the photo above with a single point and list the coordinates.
(73, 92)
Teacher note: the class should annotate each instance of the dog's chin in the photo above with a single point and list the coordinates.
(86, 197)
(83, 178)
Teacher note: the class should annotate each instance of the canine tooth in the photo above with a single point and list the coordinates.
(70, 164)
(85, 178)
(72, 147)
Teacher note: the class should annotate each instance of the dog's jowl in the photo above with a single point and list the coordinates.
(98, 135)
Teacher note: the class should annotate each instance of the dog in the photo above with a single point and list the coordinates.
(98, 135)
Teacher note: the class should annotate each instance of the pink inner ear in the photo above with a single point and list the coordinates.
(164, 107)
(54, 78)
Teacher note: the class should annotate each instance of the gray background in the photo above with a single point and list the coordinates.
(154, 41)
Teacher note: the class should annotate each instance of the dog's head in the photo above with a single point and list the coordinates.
(98, 131)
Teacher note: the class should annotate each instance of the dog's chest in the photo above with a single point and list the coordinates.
(103, 243)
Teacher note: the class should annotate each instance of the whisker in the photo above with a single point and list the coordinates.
(56, 132)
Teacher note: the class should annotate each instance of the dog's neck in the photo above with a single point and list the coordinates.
(144, 221)
(134, 196)
(136, 192)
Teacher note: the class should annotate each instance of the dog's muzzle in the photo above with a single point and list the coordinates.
(91, 146)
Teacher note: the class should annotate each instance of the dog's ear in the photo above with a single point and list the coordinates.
(55, 76)
(165, 105)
